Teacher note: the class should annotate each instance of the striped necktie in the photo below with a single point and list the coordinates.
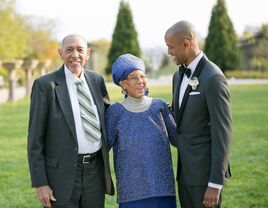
(88, 115)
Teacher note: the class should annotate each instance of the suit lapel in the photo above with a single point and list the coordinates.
(197, 72)
(176, 83)
(64, 100)
(95, 93)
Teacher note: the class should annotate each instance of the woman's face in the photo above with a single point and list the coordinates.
(135, 84)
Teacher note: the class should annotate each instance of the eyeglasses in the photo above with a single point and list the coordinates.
(137, 78)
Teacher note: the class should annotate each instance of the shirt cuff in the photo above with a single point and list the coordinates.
(214, 185)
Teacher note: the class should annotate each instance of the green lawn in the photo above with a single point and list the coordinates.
(249, 155)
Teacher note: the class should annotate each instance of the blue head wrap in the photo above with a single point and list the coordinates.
(124, 65)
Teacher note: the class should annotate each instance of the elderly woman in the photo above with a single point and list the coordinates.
(139, 129)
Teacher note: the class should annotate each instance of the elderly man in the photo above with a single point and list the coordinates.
(67, 148)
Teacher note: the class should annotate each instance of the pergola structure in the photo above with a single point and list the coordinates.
(28, 66)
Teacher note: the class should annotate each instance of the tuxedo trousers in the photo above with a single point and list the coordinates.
(89, 188)
(192, 196)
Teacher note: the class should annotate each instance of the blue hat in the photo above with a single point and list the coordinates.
(124, 65)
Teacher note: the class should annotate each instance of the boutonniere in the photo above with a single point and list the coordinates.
(194, 83)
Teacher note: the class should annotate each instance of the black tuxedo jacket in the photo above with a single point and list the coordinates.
(203, 126)
(52, 141)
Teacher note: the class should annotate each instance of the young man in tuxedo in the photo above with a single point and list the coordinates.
(203, 116)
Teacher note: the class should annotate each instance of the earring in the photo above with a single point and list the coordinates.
(146, 91)
(124, 91)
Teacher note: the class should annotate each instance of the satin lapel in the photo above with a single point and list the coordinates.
(197, 72)
(64, 100)
(177, 83)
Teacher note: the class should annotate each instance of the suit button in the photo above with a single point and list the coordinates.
(74, 165)
(75, 149)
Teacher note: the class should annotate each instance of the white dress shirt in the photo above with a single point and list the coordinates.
(185, 79)
(84, 144)
(192, 66)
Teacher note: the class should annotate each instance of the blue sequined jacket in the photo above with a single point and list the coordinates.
(142, 158)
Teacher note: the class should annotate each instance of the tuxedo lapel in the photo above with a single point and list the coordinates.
(64, 100)
(177, 83)
(197, 72)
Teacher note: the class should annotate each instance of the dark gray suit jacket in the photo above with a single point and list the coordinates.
(52, 141)
(203, 126)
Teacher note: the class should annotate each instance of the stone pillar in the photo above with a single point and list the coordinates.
(43, 66)
(28, 66)
(11, 66)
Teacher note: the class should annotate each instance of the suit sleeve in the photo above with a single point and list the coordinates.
(104, 92)
(36, 136)
(111, 126)
(173, 91)
(218, 101)
(170, 124)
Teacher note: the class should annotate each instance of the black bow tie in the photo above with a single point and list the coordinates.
(185, 70)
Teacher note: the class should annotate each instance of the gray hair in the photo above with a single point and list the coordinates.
(72, 36)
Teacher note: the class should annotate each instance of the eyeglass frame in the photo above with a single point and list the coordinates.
(137, 78)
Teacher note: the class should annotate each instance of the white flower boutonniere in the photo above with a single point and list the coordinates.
(194, 83)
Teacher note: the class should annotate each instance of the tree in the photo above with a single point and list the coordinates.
(125, 38)
(12, 33)
(256, 50)
(20, 38)
(40, 42)
(221, 43)
(99, 56)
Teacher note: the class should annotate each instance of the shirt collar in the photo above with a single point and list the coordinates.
(194, 63)
(71, 78)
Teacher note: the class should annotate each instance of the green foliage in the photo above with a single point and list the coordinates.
(41, 45)
(101, 48)
(12, 34)
(221, 43)
(125, 38)
(259, 53)
(21, 37)
(4, 73)
(247, 74)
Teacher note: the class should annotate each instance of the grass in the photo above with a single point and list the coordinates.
(246, 189)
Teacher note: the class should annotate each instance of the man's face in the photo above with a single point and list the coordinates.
(176, 48)
(74, 53)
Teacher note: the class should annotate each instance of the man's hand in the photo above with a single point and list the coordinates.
(45, 195)
(211, 197)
